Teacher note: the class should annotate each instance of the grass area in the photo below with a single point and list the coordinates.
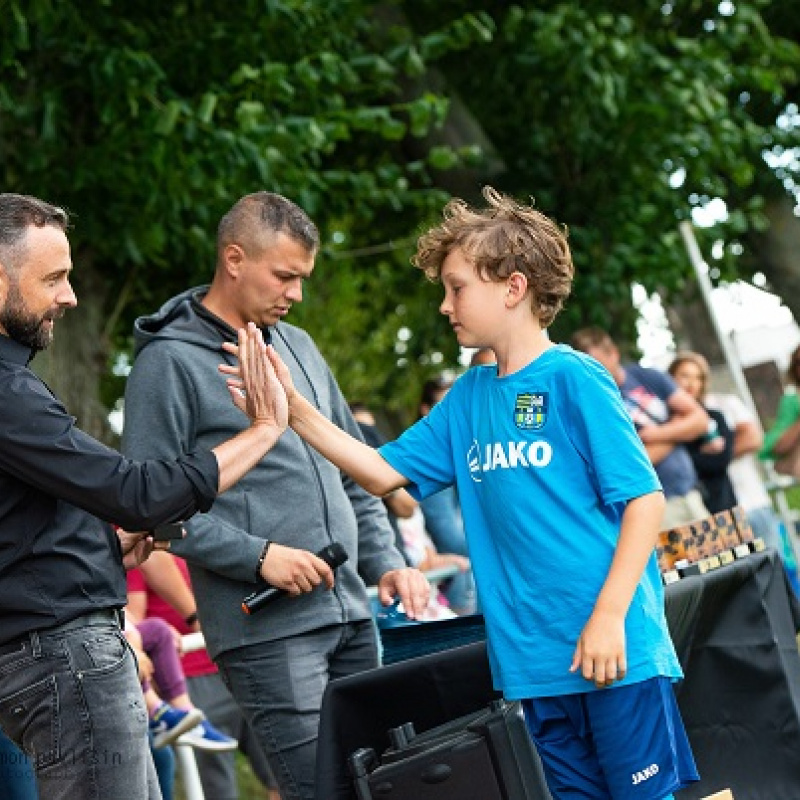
(793, 497)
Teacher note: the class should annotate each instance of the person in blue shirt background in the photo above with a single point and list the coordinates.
(443, 520)
(561, 507)
(667, 419)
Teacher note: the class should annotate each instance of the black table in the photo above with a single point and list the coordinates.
(734, 631)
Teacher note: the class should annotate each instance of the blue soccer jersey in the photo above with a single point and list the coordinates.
(544, 460)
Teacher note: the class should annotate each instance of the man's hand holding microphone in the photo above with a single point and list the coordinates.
(293, 572)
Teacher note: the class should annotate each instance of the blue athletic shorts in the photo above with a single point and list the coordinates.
(623, 743)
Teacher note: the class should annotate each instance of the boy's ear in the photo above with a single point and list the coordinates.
(517, 287)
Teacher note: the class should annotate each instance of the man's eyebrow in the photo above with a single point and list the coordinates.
(294, 272)
(57, 273)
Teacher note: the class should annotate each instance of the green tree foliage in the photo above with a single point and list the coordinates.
(148, 120)
(593, 106)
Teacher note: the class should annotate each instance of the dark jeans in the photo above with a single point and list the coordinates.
(70, 698)
(279, 687)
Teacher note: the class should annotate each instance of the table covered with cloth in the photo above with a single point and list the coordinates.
(734, 630)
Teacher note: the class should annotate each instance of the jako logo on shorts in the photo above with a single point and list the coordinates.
(644, 774)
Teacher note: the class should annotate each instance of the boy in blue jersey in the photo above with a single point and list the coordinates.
(561, 507)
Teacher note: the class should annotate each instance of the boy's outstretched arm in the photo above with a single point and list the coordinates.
(600, 652)
(360, 461)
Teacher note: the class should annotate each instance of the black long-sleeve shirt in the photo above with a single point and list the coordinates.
(60, 490)
(712, 468)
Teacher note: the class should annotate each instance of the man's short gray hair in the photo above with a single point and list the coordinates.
(256, 218)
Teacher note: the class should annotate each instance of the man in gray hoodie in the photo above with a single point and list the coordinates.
(276, 662)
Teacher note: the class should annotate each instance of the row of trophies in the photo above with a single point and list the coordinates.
(705, 544)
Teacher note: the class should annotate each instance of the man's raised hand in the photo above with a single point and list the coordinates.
(253, 385)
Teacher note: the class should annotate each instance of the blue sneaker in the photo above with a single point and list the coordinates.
(206, 737)
(168, 723)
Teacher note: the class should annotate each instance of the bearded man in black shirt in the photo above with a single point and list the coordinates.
(69, 692)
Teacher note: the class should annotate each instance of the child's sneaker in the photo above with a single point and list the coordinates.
(206, 737)
(168, 723)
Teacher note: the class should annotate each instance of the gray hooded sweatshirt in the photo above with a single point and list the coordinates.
(176, 401)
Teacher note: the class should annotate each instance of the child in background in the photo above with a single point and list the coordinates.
(175, 718)
(161, 588)
(561, 508)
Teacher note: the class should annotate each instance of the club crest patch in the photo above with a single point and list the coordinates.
(530, 410)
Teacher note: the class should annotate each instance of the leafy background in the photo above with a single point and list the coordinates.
(149, 120)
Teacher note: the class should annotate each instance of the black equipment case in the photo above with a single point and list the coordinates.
(486, 755)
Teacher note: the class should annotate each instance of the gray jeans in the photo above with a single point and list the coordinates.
(279, 687)
(70, 698)
(218, 770)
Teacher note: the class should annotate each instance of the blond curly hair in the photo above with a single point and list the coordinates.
(503, 238)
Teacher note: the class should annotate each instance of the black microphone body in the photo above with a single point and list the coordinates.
(334, 555)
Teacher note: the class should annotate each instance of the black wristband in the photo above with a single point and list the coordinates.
(191, 619)
(261, 559)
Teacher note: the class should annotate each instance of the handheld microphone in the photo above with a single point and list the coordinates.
(334, 555)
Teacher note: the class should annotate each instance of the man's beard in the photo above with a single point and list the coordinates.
(21, 325)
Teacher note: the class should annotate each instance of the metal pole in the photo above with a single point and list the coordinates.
(184, 753)
(731, 358)
(192, 787)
